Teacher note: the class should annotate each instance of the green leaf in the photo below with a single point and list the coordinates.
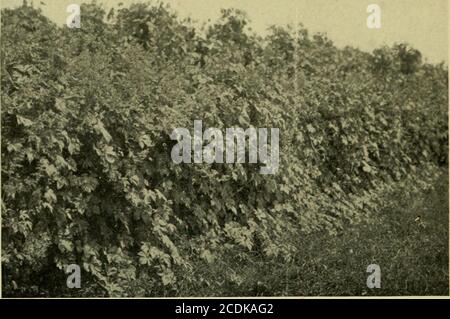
(50, 196)
(24, 121)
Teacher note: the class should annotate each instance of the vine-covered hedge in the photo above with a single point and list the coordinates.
(86, 116)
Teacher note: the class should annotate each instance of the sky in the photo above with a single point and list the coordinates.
(421, 23)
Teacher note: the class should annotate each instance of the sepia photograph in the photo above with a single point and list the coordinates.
(224, 148)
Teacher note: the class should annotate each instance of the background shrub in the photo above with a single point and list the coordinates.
(87, 176)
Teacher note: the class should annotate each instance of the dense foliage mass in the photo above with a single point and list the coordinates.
(86, 116)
